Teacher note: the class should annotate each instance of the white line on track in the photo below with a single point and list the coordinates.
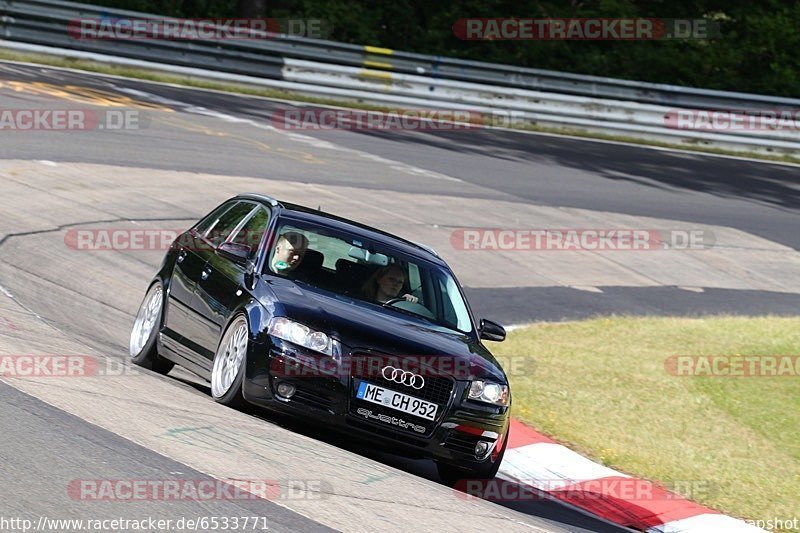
(526, 132)
(306, 139)
(6, 292)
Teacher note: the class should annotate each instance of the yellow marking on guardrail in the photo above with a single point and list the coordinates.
(81, 95)
(377, 64)
(376, 74)
(378, 50)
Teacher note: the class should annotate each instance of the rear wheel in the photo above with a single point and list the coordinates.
(227, 373)
(143, 347)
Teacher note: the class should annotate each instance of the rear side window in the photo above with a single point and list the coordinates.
(227, 223)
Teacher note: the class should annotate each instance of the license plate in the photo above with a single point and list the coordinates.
(396, 400)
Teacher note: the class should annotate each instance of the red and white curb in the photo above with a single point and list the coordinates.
(537, 461)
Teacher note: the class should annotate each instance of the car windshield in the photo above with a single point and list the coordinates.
(372, 272)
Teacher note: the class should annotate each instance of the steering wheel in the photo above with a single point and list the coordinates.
(393, 301)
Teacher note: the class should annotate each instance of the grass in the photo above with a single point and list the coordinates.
(253, 90)
(600, 387)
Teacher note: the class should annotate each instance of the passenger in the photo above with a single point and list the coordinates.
(289, 252)
(385, 284)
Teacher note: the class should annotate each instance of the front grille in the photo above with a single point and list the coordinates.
(437, 388)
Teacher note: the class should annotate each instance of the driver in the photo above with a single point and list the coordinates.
(289, 252)
(385, 284)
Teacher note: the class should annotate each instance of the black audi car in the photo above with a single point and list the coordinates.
(310, 314)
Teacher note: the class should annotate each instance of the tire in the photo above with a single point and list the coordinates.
(451, 475)
(227, 373)
(143, 347)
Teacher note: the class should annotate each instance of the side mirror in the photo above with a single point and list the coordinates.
(238, 253)
(492, 331)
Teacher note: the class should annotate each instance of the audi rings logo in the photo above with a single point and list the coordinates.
(403, 377)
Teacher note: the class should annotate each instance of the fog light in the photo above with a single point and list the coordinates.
(481, 448)
(285, 390)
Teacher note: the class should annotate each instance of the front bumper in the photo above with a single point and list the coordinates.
(326, 390)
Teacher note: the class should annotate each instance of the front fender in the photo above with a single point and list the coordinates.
(256, 379)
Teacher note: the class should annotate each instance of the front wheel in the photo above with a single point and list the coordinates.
(143, 347)
(227, 373)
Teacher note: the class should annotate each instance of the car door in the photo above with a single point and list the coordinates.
(188, 268)
(206, 244)
(222, 285)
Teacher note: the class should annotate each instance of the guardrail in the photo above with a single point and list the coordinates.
(394, 78)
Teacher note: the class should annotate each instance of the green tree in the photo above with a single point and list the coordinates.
(755, 52)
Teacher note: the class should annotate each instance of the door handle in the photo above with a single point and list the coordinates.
(181, 256)
(204, 275)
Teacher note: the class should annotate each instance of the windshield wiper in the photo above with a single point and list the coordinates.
(423, 317)
(404, 311)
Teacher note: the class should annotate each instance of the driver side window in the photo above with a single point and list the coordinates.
(202, 227)
(251, 233)
(219, 231)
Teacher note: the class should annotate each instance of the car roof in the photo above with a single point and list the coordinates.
(300, 212)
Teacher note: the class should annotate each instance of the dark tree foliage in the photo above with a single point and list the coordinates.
(757, 50)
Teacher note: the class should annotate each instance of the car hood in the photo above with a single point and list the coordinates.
(364, 327)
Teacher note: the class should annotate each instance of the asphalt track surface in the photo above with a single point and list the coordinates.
(759, 198)
(126, 424)
(104, 428)
(43, 449)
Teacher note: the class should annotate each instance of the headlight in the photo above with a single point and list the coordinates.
(489, 392)
(297, 333)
